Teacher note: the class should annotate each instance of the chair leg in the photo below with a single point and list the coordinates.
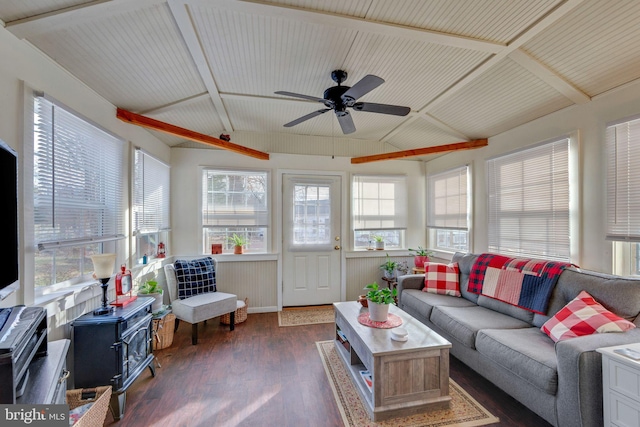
(232, 320)
(194, 334)
(175, 328)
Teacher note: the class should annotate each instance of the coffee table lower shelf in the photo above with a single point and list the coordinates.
(404, 381)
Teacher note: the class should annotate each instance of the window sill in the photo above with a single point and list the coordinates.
(81, 292)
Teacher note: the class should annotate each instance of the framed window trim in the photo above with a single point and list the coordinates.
(267, 226)
(102, 241)
(434, 230)
(150, 210)
(575, 190)
(394, 226)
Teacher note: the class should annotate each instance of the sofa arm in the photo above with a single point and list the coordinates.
(409, 281)
(580, 376)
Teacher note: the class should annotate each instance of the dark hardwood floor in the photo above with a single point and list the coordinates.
(263, 375)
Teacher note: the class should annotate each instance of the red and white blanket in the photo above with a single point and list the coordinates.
(525, 283)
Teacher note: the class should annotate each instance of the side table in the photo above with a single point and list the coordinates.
(620, 387)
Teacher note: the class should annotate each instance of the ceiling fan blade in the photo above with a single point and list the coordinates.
(306, 117)
(364, 86)
(346, 122)
(298, 95)
(372, 107)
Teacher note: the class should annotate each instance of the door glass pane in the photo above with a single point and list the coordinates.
(311, 214)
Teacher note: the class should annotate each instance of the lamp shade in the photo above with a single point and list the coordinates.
(103, 265)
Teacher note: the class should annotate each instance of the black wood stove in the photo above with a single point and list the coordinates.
(113, 349)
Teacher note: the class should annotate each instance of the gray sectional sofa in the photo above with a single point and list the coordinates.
(561, 382)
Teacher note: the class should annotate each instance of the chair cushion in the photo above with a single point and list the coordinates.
(204, 306)
(195, 277)
(441, 278)
(583, 316)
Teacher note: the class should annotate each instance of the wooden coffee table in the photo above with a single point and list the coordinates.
(407, 377)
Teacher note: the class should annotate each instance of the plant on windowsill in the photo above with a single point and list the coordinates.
(238, 243)
(422, 255)
(389, 268)
(379, 242)
(379, 300)
(152, 289)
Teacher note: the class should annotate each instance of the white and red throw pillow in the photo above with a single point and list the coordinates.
(442, 278)
(583, 316)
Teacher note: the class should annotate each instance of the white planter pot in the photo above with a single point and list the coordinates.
(378, 312)
(379, 246)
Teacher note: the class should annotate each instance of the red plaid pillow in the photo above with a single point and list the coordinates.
(583, 316)
(441, 278)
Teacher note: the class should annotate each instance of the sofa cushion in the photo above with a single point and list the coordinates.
(505, 308)
(527, 353)
(463, 323)
(465, 263)
(442, 278)
(584, 316)
(423, 302)
(195, 277)
(618, 294)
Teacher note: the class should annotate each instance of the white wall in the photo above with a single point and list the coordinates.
(21, 67)
(186, 168)
(588, 121)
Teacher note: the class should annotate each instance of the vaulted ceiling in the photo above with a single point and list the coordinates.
(467, 69)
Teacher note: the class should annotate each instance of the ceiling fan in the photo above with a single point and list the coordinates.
(339, 98)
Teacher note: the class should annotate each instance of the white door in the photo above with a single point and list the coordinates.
(311, 268)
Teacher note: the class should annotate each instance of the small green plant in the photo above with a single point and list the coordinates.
(389, 265)
(421, 251)
(378, 238)
(238, 240)
(380, 296)
(150, 287)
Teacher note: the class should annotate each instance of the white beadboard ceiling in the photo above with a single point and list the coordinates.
(467, 69)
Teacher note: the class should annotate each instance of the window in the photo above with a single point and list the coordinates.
(623, 187)
(235, 202)
(379, 209)
(78, 176)
(150, 203)
(447, 209)
(529, 202)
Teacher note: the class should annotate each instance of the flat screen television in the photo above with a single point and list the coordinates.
(9, 266)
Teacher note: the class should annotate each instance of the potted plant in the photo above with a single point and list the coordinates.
(379, 301)
(389, 268)
(379, 241)
(151, 288)
(422, 255)
(238, 242)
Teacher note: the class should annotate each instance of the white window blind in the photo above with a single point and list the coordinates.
(78, 174)
(151, 194)
(623, 181)
(379, 202)
(529, 202)
(234, 198)
(448, 199)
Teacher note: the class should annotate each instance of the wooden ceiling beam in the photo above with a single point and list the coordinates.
(149, 123)
(467, 145)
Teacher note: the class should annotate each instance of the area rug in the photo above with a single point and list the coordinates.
(306, 316)
(464, 411)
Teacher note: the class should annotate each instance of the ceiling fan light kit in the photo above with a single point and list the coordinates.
(339, 98)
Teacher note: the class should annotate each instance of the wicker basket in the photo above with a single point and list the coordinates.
(99, 396)
(163, 329)
(241, 314)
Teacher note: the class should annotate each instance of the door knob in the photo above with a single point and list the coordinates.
(336, 247)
